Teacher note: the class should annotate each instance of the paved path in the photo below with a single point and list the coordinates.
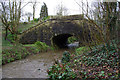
(34, 66)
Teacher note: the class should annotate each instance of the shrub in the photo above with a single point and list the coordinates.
(103, 58)
(102, 55)
(36, 19)
(72, 39)
(45, 18)
(6, 42)
(17, 52)
(41, 46)
(11, 37)
(81, 50)
(66, 57)
(25, 22)
(61, 72)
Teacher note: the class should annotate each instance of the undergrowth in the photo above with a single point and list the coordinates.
(41, 45)
(19, 51)
(99, 63)
(62, 71)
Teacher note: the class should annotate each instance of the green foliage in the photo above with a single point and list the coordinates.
(42, 46)
(36, 19)
(35, 50)
(44, 11)
(46, 18)
(5, 42)
(81, 50)
(29, 45)
(102, 73)
(11, 37)
(101, 57)
(19, 31)
(61, 72)
(52, 48)
(18, 52)
(66, 57)
(25, 22)
(15, 53)
(25, 26)
(72, 39)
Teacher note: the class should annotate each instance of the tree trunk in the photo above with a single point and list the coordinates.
(34, 11)
(6, 33)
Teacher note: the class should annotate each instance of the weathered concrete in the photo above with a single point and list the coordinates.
(57, 28)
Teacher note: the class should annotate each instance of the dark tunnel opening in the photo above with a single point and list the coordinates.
(61, 40)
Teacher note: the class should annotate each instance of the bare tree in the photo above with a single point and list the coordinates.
(61, 10)
(28, 14)
(34, 6)
(4, 17)
(11, 14)
(104, 22)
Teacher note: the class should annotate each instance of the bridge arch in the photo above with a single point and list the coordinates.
(61, 40)
(56, 31)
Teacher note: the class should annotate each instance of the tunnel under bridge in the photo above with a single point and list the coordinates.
(56, 31)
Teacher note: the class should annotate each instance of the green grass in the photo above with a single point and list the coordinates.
(24, 26)
(17, 52)
(11, 52)
(6, 43)
(29, 45)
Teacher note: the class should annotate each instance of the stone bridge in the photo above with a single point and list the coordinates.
(56, 31)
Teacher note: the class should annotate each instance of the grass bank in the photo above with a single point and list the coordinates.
(19, 51)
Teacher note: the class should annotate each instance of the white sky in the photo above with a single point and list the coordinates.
(52, 4)
(71, 5)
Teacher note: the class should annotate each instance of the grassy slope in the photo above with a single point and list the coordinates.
(5, 45)
(24, 26)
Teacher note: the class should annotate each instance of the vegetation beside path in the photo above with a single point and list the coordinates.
(19, 51)
(99, 63)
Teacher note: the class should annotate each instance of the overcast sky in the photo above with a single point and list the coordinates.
(71, 5)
